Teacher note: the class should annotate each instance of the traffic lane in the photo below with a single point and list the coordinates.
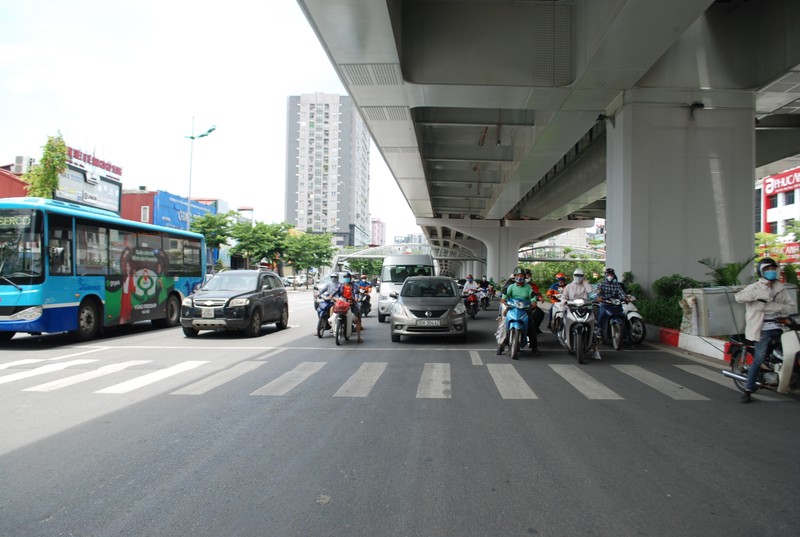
(396, 465)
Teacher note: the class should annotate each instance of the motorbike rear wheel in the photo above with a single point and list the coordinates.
(739, 366)
(515, 341)
(637, 330)
(616, 336)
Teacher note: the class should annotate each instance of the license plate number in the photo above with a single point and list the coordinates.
(428, 322)
(207, 313)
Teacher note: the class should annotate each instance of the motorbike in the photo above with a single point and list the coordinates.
(577, 328)
(634, 321)
(483, 298)
(323, 311)
(779, 366)
(556, 315)
(615, 328)
(471, 302)
(343, 319)
(364, 300)
(516, 325)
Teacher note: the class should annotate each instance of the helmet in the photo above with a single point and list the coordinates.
(527, 271)
(469, 276)
(334, 275)
(610, 270)
(348, 275)
(766, 262)
(561, 276)
(518, 270)
(363, 276)
(578, 272)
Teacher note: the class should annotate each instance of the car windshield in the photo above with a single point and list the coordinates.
(428, 288)
(232, 281)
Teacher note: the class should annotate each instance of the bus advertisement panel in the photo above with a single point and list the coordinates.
(67, 268)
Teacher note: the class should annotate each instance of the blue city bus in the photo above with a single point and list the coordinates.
(69, 268)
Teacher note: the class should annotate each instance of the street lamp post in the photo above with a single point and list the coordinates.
(191, 159)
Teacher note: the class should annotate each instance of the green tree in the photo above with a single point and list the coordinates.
(725, 274)
(793, 228)
(768, 245)
(42, 179)
(370, 267)
(260, 241)
(216, 228)
(306, 250)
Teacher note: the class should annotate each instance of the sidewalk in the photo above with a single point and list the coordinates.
(704, 346)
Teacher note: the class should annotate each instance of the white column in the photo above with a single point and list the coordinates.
(680, 182)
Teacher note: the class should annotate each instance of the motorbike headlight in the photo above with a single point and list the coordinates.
(238, 302)
(460, 309)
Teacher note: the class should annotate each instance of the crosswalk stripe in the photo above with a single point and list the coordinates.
(584, 383)
(41, 370)
(81, 377)
(509, 382)
(475, 357)
(435, 382)
(150, 378)
(362, 381)
(289, 380)
(716, 377)
(38, 360)
(659, 383)
(218, 379)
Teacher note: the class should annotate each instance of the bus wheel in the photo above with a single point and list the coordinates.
(172, 313)
(88, 321)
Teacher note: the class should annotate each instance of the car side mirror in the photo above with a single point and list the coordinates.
(393, 294)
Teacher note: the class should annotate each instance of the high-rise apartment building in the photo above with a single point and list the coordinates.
(327, 168)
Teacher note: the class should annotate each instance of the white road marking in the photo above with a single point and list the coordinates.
(659, 383)
(584, 383)
(289, 380)
(716, 377)
(75, 379)
(150, 378)
(476, 358)
(37, 360)
(41, 370)
(435, 382)
(363, 380)
(218, 379)
(509, 382)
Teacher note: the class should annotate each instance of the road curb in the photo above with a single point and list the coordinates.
(705, 346)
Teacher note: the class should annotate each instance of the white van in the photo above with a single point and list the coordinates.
(395, 270)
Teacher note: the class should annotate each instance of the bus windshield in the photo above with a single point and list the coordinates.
(20, 246)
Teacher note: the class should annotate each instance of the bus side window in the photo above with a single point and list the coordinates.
(60, 244)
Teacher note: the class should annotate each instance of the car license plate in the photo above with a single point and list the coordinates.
(207, 313)
(428, 322)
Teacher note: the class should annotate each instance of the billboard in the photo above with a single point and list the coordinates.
(90, 181)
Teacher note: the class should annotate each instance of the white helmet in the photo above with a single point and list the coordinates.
(578, 272)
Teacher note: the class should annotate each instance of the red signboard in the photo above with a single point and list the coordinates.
(782, 182)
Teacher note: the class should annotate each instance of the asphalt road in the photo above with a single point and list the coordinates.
(147, 433)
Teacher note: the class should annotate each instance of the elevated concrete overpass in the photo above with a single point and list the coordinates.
(505, 122)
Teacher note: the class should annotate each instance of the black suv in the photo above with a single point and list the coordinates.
(240, 300)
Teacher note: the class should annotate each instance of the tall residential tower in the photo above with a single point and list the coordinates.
(327, 168)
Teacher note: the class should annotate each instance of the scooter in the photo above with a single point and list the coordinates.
(556, 315)
(364, 300)
(780, 363)
(577, 330)
(323, 311)
(343, 319)
(516, 326)
(471, 302)
(483, 298)
(637, 330)
(615, 328)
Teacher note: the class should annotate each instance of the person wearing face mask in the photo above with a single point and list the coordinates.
(349, 291)
(579, 288)
(608, 289)
(520, 289)
(764, 300)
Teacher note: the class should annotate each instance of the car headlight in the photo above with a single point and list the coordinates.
(398, 309)
(460, 308)
(187, 301)
(239, 302)
(28, 314)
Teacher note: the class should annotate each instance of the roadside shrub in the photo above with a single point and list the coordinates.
(673, 286)
(661, 311)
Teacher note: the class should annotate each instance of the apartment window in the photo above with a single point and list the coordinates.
(772, 227)
(789, 198)
(772, 201)
(145, 214)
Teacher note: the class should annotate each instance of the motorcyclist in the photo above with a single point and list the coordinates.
(608, 289)
(349, 291)
(580, 288)
(553, 294)
(329, 287)
(764, 300)
(537, 315)
(469, 285)
(365, 287)
(521, 290)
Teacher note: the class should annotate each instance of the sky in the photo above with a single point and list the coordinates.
(126, 79)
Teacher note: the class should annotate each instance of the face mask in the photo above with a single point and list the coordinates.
(363, 279)
(578, 278)
(347, 280)
(520, 279)
(610, 278)
(771, 275)
(470, 280)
